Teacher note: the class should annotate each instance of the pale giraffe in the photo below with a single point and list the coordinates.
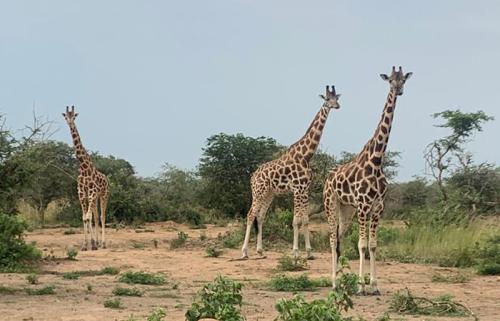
(92, 186)
(291, 172)
(361, 186)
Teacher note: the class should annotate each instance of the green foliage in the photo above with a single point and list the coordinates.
(288, 263)
(15, 254)
(119, 291)
(180, 241)
(157, 315)
(220, 300)
(110, 270)
(71, 253)
(32, 278)
(212, 251)
(225, 168)
(232, 239)
(460, 277)
(404, 302)
(142, 278)
(285, 283)
(74, 275)
(489, 256)
(46, 290)
(330, 309)
(7, 290)
(113, 304)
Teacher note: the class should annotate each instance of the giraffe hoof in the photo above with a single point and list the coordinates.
(103, 245)
(376, 292)
(83, 248)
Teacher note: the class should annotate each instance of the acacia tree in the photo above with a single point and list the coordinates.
(440, 153)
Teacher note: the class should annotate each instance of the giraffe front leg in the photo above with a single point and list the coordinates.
(376, 215)
(363, 212)
(103, 203)
(300, 201)
(91, 212)
(305, 224)
(331, 211)
(250, 219)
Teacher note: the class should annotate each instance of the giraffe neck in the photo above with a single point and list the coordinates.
(308, 144)
(81, 154)
(375, 148)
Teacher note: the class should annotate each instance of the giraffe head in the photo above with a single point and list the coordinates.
(70, 115)
(397, 79)
(331, 98)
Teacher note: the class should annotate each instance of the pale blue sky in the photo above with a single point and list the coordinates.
(153, 79)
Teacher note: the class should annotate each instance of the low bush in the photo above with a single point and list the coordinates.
(109, 270)
(74, 275)
(285, 283)
(220, 300)
(15, 254)
(212, 251)
(460, 277)
(288, 263)
(119, 291)
(157, 315)
(46, 290)
(113, 304)
(71, 253)
(180, 241)
(142, 278)
(32, 278)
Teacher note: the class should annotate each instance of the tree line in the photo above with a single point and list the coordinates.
(40, 171)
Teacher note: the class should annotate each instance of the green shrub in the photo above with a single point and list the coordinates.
(32, 278)
(74, 275)
(46, 290)
(298, 309)
(220, 300)
(283, 282)
(70, 231)
(180, 241)
(489, 256)
(288, 263)
(113, 304)
(460, 277)
(119, 291)
(212, 251)
(15, 254)
(110, 270)
(142, 278)
(232, 239)
(71, 253)
(157, 315)
(489, 269)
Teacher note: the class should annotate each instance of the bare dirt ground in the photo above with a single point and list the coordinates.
(188, 268)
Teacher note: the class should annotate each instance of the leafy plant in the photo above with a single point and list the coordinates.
(119, 291)
(460, 277)
(71, 253)
(212, 251)
(110, 270)
(15, 254)
(142, 278)
(288, 263)
(179, 241)
(32, 278)
(46, 290)
(157, 315)
(283, 282)
(220, 300)
(113, 304)
(74, 275)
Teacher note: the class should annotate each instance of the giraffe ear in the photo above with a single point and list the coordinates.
(322, 97)
(338, 96)
(76, 114)
(64, 115)
(384, 77)
(408, 75)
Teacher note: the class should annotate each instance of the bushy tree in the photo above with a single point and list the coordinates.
(225, 169)
(440, 154)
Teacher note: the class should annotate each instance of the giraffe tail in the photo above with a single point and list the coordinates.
(338, 243)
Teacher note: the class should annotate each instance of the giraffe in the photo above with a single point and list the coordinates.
(290, 172)
(92, 186)
(360, 186)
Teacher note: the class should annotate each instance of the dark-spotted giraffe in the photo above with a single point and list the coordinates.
(291, 172)
(92, 188)
(360, 186)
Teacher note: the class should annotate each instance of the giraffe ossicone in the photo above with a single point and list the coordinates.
(289, 173)
(360, 187)
(92, 187)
